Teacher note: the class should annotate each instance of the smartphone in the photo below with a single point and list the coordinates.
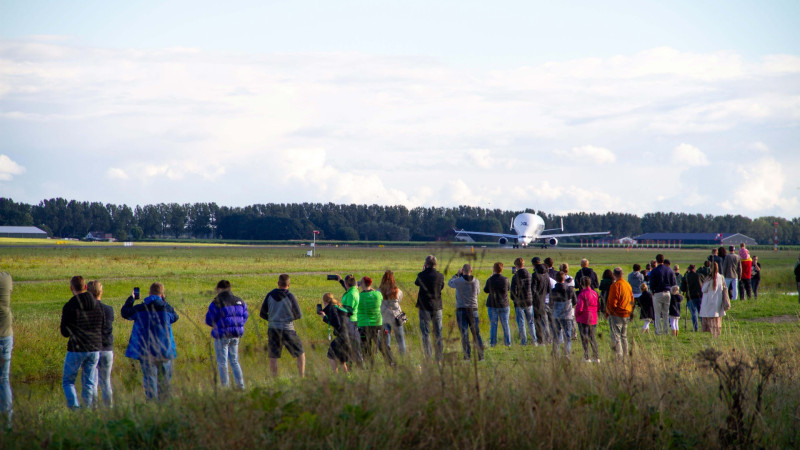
(136, 293)
(319, 308)
(333, 277)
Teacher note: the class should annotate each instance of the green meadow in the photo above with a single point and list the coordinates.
(665, 395)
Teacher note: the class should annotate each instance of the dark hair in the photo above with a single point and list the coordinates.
(349, 280)
(224, 285)
(586, 282)
(659, 258)
(77, 283)
(637, 267)
(519, 262)
(498, 267)
(691, 268)
(607, 274)
(560, 277)
(548, 262)
(283, 280)
(722, 252)
(666, 262)
(430, 261)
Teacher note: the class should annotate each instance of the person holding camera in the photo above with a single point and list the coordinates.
(350, 302)
(280, 309)
(467, 288)
(523, 302)
(429, 303)
(393, 316)
(497, 287)
(226, 316)
(152, 342)
(337, 319)
(370, 322)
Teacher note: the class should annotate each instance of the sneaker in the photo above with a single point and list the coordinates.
(587, 360)
(597, 360)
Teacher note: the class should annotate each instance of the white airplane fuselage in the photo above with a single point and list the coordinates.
(529, 227)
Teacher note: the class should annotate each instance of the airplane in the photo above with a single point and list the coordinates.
(529, 228)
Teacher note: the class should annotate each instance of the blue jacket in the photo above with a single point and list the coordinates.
(662, 278)
(226, 315)
(151, 336)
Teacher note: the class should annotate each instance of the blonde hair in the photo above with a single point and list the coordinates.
(643, 287)
(95, 288)
(675, 290)
(329, 298)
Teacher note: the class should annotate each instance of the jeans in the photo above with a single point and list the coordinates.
(6, 345)
(500, 314)
(619, 335)
(543, 325)
(355, 344)
(694, 308)
(563, 326)
(156, 377)
(755, 282)
(467, 319)
(661, 310)
(73, 362)
(104, 364)
(227, 350)
(733, 287)
(745, 288)
(425, 320)
(524, 317)
(399, 335)
(588, 338)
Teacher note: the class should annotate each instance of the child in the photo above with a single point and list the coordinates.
(337, 318)
(647, 314)
(675, 300)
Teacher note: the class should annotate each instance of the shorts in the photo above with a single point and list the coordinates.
(277, 339)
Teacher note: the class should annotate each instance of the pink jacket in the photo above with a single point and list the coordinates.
(586, 309)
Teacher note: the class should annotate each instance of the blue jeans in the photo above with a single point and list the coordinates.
(399, 335)
(525, 317)
(500, 314)
(563, 326)
(73, 362)
(425, 320)
(227, 349)
(694, 308)
(104, 365)
(733, 287)
(6, 344)
(156, 377)
(467, 319)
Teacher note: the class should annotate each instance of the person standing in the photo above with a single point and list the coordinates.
(693, 288)
(662, 278)
(586, 316)
(745, 281)
(618, 309)
(106, 360)
(563, 300)
(82, 322)
(280, 309)
(635, 279)
(370, 322)
(755, 278)
(467, 288)
(540, 288)
(152, 342)
(337, 319)
(731, 270)
(523, 302)
(6, 345)
(716, 256)
(226, 316)
(797, 277)
(429, 303)
(350, 302)
(646, 310)
(392, 313)
(712, 309)
(497, 287)
(586, 271)
(605, 284)
(675, 300)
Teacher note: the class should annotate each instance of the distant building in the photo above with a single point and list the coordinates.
(98, 236)
(698, 238)
(22, 232)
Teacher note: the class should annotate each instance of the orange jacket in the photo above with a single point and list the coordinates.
(620, 299)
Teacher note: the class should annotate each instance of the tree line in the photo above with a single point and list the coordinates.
(283, 221)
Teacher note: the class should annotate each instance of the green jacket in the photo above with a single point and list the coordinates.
(350, 303)
(6, 285)
(369, 309)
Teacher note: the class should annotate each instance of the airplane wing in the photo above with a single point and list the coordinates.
(544, 236)
(482, 233)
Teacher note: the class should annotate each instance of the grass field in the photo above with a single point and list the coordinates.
(518, 397)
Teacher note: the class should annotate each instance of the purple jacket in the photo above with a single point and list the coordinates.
(226, 315)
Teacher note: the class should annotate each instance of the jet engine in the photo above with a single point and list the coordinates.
(502, 241)
(552, 241)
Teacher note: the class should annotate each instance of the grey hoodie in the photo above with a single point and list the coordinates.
(467, 288)
(280, 308)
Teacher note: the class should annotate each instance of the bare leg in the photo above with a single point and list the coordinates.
(301, 365)
(334, 365)
(346, 370)
(273, 366)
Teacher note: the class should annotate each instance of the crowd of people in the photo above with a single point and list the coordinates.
(551, 307)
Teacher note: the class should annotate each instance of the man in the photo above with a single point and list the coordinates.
(467, 288)
(226, 316)
(152, 342)
(797, 277)
(618, 309)
(732, 270)
(350, 301)
(523, 301)
(106, 360)
(6, 345)
(705, 271)
(540, 289)
(548, 264)
(662, 278)
(429, 302)
(82, 322)
(280, 309)
(715, 257)
(693, 288)
(586, 271)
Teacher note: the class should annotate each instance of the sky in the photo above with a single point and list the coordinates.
(588, 106)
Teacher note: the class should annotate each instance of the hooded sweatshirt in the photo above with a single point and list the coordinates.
(467, 288)
(151, 336)
(497, 287)
(82, 322)
(521, 289)
(540, 289)
(281, 309)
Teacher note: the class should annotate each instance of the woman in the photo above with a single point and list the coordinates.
(497, 303)
(605, 285)
(106, 360)
(586, 316)
(370, 322)
(746, 282)
(646, 312)
(563, 300)
(712, 309)
(337, 318)
(755, 277)
(393, 315)
(568, 280)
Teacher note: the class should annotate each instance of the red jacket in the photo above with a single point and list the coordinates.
(747, 267)
(586, 308)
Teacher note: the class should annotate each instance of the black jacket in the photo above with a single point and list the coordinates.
(430, 283)
(692, 286)
(337, 318)
(563, 293)
(540, 288)
(497, 288)
(108, 328)
(82, 322)
(521, 289)
(587, 272)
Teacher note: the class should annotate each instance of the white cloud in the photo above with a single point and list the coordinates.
(116, 173)
(760, 186)
(481, 158)
(689, 155)
(588, 154)
(760, 147)
(9, 168)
